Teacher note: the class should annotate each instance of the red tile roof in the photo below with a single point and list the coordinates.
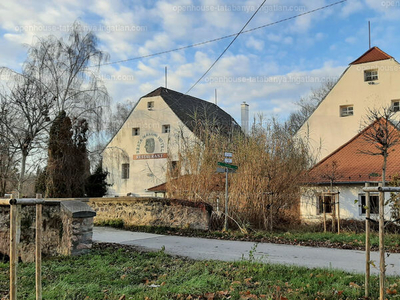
(348, 164)
(373, 54)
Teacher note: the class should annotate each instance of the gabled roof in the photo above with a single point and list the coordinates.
(373, 54)
(191, 110)
(215, 184)
(349, 165)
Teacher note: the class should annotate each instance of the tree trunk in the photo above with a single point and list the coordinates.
(22, 173)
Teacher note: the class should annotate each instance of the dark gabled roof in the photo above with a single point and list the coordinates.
(191, 110)
(373, 54)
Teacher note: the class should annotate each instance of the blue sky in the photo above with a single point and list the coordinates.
(270, 68)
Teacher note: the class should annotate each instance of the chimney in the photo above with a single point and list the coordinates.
(245, 117)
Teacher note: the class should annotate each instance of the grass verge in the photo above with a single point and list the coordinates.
(120, 272)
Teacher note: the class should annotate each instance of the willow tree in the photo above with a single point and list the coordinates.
(59, 75)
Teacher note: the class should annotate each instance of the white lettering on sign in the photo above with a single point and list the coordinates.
(150, 156)
(228, 154)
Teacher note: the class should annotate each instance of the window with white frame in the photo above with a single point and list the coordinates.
(135, 131)
(166, 128)
(125, 171)
(346, 110)
(373, 201)
(395, 105)
(150, 105)
(370, 75)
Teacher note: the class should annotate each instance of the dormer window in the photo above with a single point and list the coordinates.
(370, 75)
(346, 110)
(150, 105)
(395, 105)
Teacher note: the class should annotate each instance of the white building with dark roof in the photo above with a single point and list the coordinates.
(138, 156)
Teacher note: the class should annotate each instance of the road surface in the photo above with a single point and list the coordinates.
(210, 249)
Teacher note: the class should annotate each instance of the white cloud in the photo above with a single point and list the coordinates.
(351, 7)
(256, 44)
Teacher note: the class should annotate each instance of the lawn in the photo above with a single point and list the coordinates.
(122, 272)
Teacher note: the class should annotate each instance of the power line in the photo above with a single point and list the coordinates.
(221, 38)
(226, 49)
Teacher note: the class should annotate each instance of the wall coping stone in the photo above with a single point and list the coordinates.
(78, 209)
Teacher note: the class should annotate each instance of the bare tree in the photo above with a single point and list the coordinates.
(58, 75)
(383, 134)
(8, 166)
(25, 110)
(68, 69)
(118, 116)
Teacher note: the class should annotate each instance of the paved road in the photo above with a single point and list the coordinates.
(198, 248)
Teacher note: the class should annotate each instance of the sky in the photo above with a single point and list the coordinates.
(270, 68)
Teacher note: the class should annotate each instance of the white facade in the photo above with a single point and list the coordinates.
(350, 203)
(341, 115)
(139, 155)
(143, 145)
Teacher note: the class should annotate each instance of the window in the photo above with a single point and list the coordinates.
(136, 131)
(328, 203)
(165, 129)
(370, 75)
(125, 171)
(346, 110)
(395, 105)
(374, 204)
(150, 105)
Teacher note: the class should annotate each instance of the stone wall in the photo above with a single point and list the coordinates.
(67, 229)
(153, 212)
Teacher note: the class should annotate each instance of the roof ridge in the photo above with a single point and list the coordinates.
(369, 56)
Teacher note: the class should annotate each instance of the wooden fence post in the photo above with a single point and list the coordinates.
(338, 213)
(367, 244)
(38, 258)
(382, 267)
(13, 250)
(324, 209)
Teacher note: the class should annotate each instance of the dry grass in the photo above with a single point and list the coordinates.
(265, 188)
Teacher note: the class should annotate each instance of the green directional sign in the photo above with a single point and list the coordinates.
(227, 166)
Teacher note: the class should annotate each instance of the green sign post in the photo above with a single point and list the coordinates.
(229, 168)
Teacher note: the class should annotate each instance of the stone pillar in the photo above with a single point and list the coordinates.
(78, 227)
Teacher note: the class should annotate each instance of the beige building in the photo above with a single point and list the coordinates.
(139, 155)
(371, 81)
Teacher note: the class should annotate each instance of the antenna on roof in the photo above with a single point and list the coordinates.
(215, 98)
(166, 76)
(369, 34)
